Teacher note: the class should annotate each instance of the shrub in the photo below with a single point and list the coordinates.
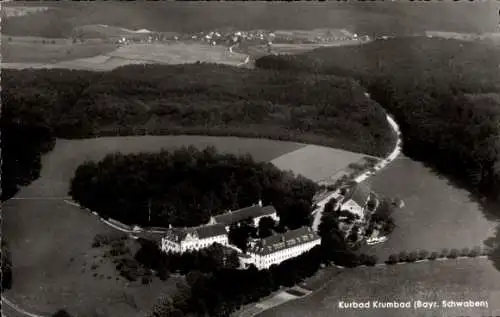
(403, 256)
(486, 251)
(464, 252)
(434, 255)
(444, 253)
(454, 253)
(163, 273)
(61, 313)
(371, 260)
(475, 252)
(393, 259)
(412, 257)
(422, 254)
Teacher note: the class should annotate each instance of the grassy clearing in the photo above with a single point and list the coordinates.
(67, 155)
(301, 48)
(178, 53)
(473, 279)
(54, 263)
(44, 50)
(21, 11)
(25, 52)
(316, 162)
(55, 266)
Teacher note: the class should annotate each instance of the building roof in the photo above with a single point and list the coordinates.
(279, 242)
(359, 194)
(202, 232)
(243, 214)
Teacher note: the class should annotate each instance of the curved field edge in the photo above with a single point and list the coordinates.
(44, 260)
(204, 99)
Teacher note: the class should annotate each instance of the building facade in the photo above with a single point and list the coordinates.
(254, 212)
(355, 200)
(180, 240)
(278, 248)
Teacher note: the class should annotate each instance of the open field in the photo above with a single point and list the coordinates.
(50, 240)
(317, 162)
(178, 53)
(60, 164)
(50, 244)
(463, 279)
(107, 31)
(259, 50)
(24, 49)
(20, 11)
(282, 48)
(100, 56)
(437, 214)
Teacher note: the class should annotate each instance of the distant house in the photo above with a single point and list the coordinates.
(356, 199)
(255, 212)
(280, 247)
(180, 240)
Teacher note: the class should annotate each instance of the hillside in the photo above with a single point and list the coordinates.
(207, 99)
(381, 18)
(426, 83)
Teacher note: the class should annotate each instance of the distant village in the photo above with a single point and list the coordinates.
(229, 36)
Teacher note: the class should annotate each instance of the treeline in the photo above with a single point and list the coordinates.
(6, 263)
(209, 99)
(381, 18)
(36, 108)
(222, 291)
(443, 93)
(188, 186)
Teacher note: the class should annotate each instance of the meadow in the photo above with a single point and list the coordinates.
(317, 162)
(44, 260)
(29, 49)
(99, 55)
(461, 279)
(178, 53)
(437, 213)
(55, 266)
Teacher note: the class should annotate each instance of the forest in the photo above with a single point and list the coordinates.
(185, 187)
(208, 99)
(444, 94)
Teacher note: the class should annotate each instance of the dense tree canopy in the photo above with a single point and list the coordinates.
(210, 99)
(188, 186)
(443, 93)
(6, 262)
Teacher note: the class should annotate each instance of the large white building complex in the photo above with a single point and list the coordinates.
(181, 240)
(280, 247)
(261, 253)
(254, 212)
(188, 239)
